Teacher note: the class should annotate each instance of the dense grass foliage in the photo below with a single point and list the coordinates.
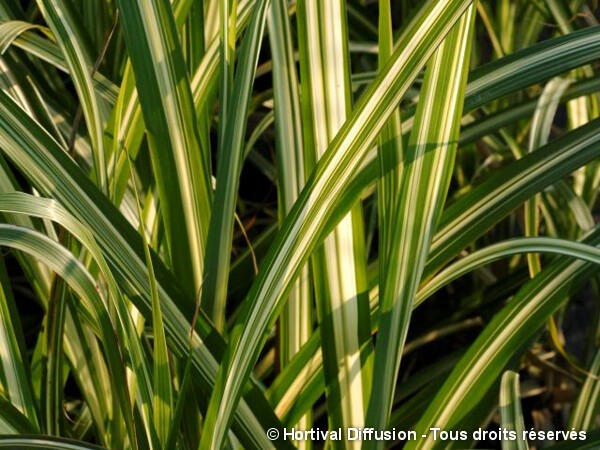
(225, 219)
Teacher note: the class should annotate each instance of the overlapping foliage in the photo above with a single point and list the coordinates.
(222, 217)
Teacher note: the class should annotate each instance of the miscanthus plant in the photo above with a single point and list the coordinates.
(225, 219)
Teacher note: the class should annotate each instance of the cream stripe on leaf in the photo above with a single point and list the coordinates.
(339, 268)
(428, 163)
(296, 318)
(230, 161)
(511, 414)
(165, 95)
(79, 63)
(509, 331)
(54, 173)
(299, 232)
